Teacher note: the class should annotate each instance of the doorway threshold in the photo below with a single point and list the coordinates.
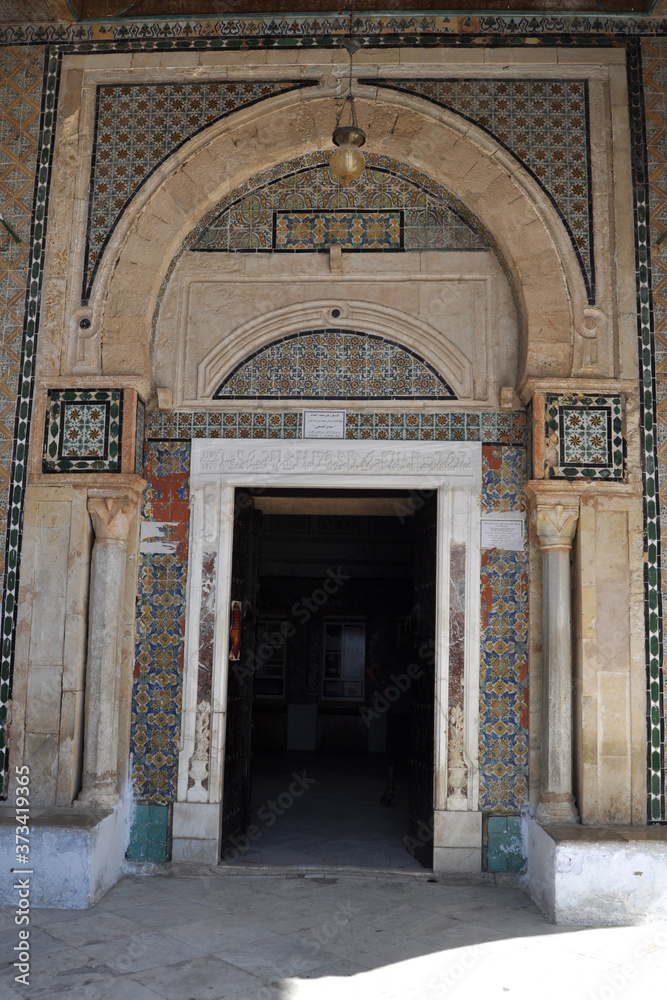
(319, 874)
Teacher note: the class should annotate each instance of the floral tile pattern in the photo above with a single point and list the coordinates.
(334, 364)
(303, 207)
(83, 431)
(158, 670)
(503, 738)
(584, 437)
(503, 478)
(137, 126)
(545, 124)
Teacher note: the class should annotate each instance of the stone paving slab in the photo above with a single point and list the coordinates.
(190, 933)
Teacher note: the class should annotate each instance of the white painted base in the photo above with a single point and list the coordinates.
(76, 854)
(598, 875)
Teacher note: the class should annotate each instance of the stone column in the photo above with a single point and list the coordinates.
(556, 526)
(112, 515)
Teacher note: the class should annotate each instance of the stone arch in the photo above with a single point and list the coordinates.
(437, 142)
(370, 318)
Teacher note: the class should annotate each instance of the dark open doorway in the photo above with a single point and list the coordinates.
(330, 705)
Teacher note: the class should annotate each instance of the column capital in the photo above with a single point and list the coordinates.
(112, 514)
(556, 521)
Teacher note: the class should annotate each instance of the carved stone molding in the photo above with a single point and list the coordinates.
(457, 463)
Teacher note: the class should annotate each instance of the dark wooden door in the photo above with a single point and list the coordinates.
(420, 797)
(245, 560)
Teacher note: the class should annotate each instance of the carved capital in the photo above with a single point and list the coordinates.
(557, 523)
(112, 516)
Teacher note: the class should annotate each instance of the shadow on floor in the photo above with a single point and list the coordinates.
(208, 934)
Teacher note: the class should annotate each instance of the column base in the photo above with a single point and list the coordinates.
(98, 797)
(557, 812)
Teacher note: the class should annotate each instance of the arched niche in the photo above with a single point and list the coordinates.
(474, 168)
(366, 318)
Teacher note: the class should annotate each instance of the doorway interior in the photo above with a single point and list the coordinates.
(334, 682)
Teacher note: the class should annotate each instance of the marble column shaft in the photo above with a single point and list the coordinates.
(112, 516)
(556, 527)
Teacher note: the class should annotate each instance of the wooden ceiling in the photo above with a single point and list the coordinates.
(84, 10)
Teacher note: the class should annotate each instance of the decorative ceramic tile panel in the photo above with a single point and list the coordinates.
(26, 79)
(149, 833)
(503, 735)
(158, 670)
(334, 364)
(303, 30)
(390, 207)
(502, 428)
(137, 126)
(545, 124)
(503, 479)
(359, 230)
(83, 431)
(649, 162)
(504, 844)
(584, 437)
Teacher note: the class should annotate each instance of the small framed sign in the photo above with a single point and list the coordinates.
(504, 530)
(323, 424)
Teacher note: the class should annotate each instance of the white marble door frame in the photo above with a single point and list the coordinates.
(218, 467)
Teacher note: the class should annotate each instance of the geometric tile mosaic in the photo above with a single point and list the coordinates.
(584, 437)
(83, 431)
(647, 86)
(489, 426)
(137, 126)
(503, 734)
(545, 124)
(334, 364)
(306, 208)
